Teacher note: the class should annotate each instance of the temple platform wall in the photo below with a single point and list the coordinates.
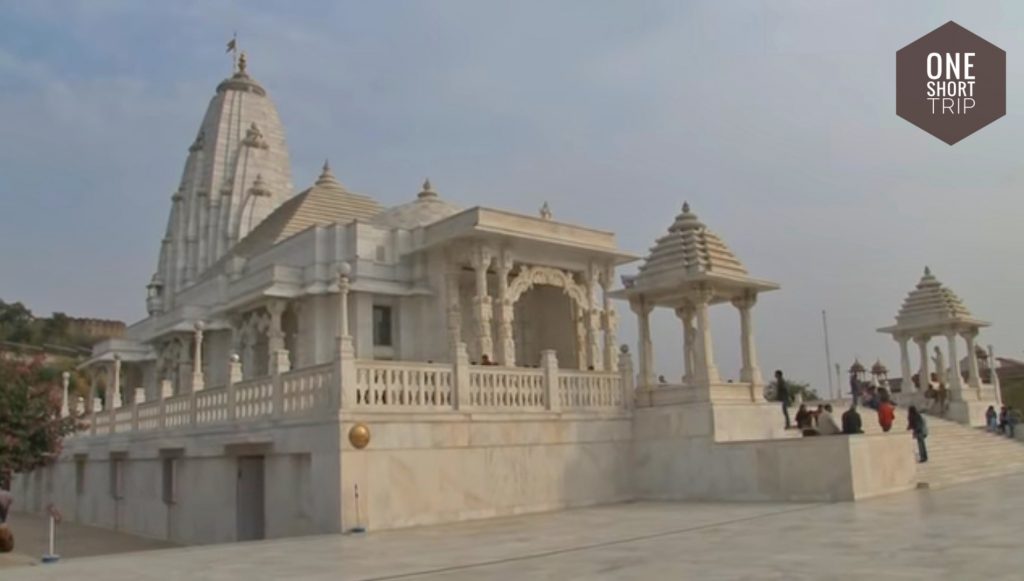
(425, 469)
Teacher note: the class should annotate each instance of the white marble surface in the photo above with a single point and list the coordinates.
(955, 533)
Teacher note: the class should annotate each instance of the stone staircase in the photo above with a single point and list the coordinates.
(956, 453)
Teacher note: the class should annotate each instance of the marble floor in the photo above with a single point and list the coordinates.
(971, 531)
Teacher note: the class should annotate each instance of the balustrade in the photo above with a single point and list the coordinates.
(375, 385)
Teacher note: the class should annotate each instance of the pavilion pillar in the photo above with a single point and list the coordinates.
(454, 307)
(906, 385)
(994, 375)
(644, 346)
(279, 362)
(955, 380)
(685, 314)
(198, 381)
(343, 392)
(65, 408)
(749, 371)
(707, 372)
(506, 351)
(114, 400)
(973, 377)
(923, 374)
(481, 260)
(609, 321)
(595, 360)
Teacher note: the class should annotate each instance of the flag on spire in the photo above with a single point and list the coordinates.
(233, 43)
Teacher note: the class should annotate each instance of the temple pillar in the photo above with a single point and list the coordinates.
(343, 289)
(65, 408)
(955, 381)
(454, 314)
(685, 314)
(279, 361)
(114, 400)
(594, 359)
(923, 373)
(506, 348)
(906, 385)
(481, 260)
(706, 371)
(973, 377)
(749, 370)
(198, 381)
(644, 346)
(609, 320)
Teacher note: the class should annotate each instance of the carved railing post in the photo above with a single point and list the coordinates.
(549, 365)
(234, 376)
(460, 377)
(626, 372)
(138, 398)
(166, 391)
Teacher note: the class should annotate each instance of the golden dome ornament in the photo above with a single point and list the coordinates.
(359, 436)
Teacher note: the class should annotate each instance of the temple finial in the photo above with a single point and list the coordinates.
(242, 63)
(327, 166)
(927, 271)
(545, 211)
(428, 190)
(686, 207)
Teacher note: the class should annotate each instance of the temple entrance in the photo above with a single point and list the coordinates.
(249, 499)
(545, 318)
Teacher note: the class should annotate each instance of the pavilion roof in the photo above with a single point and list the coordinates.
(932, 306)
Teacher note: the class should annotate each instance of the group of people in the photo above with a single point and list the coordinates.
(821, 422)
(1005, 421)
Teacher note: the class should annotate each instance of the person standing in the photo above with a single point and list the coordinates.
(782, 394)
(919, 429)
(991, 418)
(886, 415)
(1013, 417)
(6, 538)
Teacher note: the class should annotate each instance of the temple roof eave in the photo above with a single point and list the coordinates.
(934, 327)
(671, 290)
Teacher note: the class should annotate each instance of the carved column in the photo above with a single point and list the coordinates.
(923, 374)
(481, 262)
(955, 382)
(454, 306)
(644, 346)
(906, 385)
(973, 377)
(115, 400)
(707, 372)
(749, 371)
(275, 338)
(609, 320)
(343, 289)
(506, 354)
(65, 408)
(685, 314)
(593, 321)
(198, 381)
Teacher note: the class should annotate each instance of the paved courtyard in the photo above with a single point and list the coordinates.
(972, 531)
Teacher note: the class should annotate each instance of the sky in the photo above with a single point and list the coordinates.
(774, 119)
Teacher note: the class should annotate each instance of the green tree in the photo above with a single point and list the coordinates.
(31, 427)
(796, 388)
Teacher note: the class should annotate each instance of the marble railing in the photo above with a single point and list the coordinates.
(588, 389)
(507, 388)
(400, 384)
(372, 385)
(304, 392)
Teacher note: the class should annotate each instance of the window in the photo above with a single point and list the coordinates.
(79, 475)
(170, 479)
(117, 477)
(382, 325)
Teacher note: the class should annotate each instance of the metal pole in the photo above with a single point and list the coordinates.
(828, 354)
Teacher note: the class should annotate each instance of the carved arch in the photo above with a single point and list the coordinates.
(534, 275)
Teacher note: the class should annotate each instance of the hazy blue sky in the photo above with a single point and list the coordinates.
(776, 120)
